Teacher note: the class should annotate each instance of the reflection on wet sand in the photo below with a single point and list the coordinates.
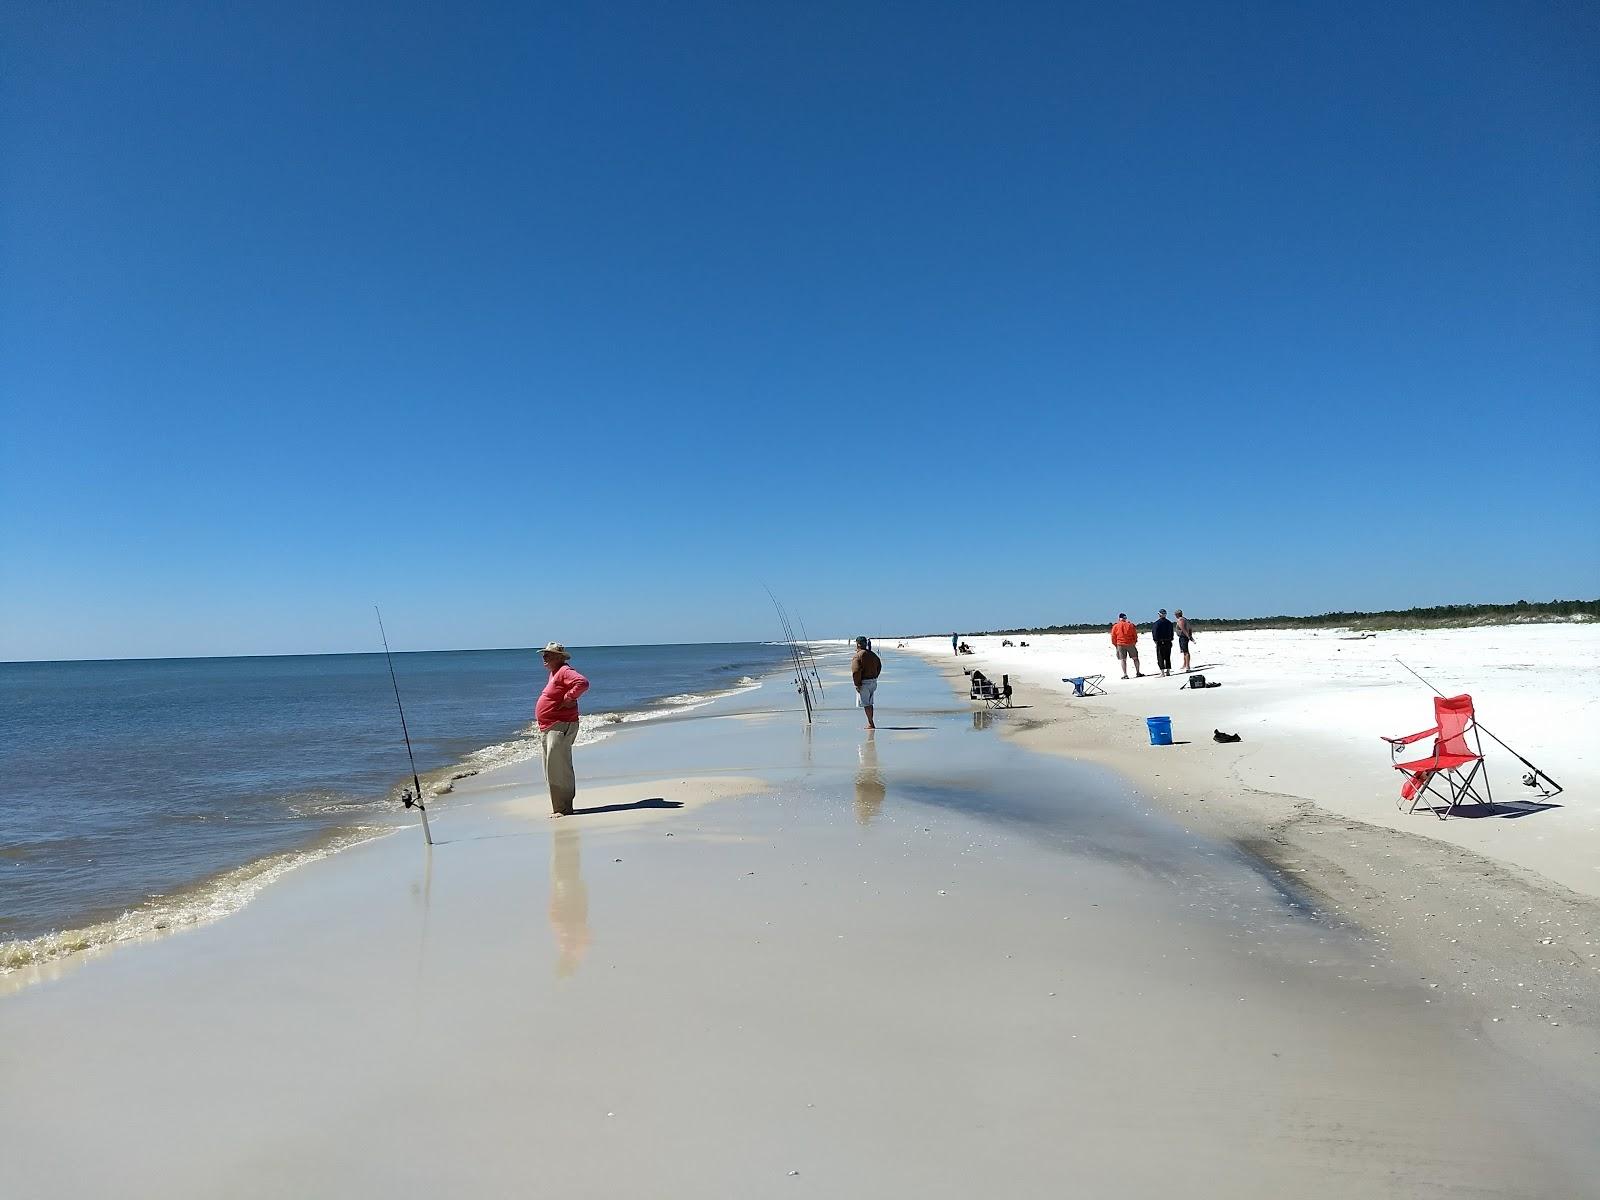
(870, 789)
(569, 901)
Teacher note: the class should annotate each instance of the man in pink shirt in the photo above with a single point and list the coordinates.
(557, 715)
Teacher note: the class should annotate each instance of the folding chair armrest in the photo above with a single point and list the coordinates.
(1415, 737)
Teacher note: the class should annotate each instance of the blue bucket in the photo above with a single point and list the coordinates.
(1160, 730)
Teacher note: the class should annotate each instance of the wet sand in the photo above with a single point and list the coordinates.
(778, 962)
(1500, 910)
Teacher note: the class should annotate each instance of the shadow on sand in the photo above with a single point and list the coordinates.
(1507, 810)
(653, 802)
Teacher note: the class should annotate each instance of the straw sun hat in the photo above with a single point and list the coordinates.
(555, 648)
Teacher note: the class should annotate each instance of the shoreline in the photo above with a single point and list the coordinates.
(1521, 948)
(924, 961)
(225, 892)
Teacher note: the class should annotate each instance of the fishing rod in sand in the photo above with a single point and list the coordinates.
(811, 656)
(1531, 779)
(795, 651)
(802, 646)
(802, 685)
(415, 797)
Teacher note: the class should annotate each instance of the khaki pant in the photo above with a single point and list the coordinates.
(557, 742)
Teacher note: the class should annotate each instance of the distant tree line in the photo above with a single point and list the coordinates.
(1439, 616)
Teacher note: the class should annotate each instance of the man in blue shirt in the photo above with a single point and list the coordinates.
(1162, 632)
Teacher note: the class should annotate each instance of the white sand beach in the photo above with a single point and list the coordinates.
(767, 960)
(1500, 906)
(1311, 708)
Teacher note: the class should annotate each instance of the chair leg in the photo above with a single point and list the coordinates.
(1423, 781)
(1468, 788)
(1462, 789)
(1428, 786)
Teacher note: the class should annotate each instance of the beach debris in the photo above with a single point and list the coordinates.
(1218, 736)
(794, 1172)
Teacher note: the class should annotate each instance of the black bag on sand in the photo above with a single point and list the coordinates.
(1197, 681)
(1218, 736)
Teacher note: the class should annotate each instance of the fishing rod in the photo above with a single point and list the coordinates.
(799, 660)
(1531, 779)
(811, 655)
(801, 684)
(783, 622)
(794, 642)
(407, 798)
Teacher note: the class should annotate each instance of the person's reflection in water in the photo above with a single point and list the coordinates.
(569, 901)
(870, 789)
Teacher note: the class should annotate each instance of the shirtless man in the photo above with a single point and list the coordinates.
(865, 667)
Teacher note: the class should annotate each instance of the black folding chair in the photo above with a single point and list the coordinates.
(992, 694)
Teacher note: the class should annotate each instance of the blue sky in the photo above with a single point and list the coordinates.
(582, 322)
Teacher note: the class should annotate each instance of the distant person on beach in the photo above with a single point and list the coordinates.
(865, 667)
(557, 715)
(955, 643)
(1185, 636)
(1161, 632)
(1125, 641)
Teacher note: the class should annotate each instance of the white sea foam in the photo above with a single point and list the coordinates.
(210, 900)
(592, 728)
(228, 892)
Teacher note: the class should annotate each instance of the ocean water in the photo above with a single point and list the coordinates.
(151, 793)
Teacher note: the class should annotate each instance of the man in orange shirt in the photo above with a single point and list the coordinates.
(1125, 641)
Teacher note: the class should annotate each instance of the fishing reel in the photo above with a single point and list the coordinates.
(407, 798)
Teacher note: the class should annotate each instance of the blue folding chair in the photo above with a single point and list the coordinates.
(1085, 685)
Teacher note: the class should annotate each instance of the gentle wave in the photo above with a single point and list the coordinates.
(210, 900)
(228, 892)
(592, 728)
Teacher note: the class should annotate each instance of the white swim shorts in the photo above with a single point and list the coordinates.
(869, 688)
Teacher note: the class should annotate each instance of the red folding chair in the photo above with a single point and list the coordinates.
(1454, 762)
